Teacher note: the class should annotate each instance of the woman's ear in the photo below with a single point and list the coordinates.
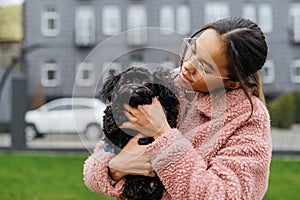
(232, 84)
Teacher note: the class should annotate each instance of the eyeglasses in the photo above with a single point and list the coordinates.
(189, 54)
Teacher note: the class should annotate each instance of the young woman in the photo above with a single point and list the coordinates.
(222, 148)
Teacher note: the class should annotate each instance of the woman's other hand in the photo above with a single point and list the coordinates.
(131, 160)
(150, 120)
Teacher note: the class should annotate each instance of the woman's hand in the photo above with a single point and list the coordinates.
(131, 160)
(150, 120)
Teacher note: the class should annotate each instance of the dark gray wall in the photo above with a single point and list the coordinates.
(6, 100)
(63, 49)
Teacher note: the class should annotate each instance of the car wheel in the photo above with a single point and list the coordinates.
(93, 132)
(31, 132)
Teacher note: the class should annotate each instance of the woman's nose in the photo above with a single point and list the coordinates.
(188, 66)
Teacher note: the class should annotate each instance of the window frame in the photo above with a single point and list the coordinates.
(85, 16)
(262, 17)
(183, 26)
(294, 11)
(107, 15)
(295, 64)
(46, 67)
(248, 8)
(131, 14)
(47, 15)
(80, 81)
(165, 27)
(137, 34)
(270, 77)
(211, 7)
(107, 67)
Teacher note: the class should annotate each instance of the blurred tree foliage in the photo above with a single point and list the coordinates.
(282, 111)
(11, 23)
(296, 95)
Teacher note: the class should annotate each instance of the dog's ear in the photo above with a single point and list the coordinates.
(108, 88)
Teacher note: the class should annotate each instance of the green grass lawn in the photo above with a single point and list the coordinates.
(43, 177)
(59, 176)
(284, 182)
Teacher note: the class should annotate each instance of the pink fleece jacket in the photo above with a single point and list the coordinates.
(215, 154)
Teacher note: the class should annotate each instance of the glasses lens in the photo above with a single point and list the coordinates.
(183, 49)
(198, 57)
(186, 52)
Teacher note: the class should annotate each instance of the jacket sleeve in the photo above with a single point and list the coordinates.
(238, 170)
(95, 171)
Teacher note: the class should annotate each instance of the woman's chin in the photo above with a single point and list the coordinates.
(184, 83)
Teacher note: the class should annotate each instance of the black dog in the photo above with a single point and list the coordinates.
(136, 86)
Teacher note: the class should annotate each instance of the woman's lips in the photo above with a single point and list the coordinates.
(183, 77)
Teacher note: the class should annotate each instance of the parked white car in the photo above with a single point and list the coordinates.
(66, 115)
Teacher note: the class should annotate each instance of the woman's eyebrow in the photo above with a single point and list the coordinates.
(208, 64)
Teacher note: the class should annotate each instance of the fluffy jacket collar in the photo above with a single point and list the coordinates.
(222, 113)
(221, 103)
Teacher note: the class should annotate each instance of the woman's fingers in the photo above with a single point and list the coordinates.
(140, 110)
(149, 120)
(149, 174)
(130, 116)
(152, 174)
(139, 116)
(147, 170)
(130, 109)
(127, 125)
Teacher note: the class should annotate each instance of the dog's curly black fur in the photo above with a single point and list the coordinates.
(136, 86)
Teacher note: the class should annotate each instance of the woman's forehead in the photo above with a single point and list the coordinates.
(210, 41)
(211, 45)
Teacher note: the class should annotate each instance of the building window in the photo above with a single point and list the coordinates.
(183, 19)
(216, 10)
(50, 74)
(111, 69)
(85, 29)
(111, 20)
(249, 11)
(137, 20)
(136, 60)
(295, 71)
(50, 22)
(85, 74)
(265, 17)
(268, 72)
(294, 22)
(167, 19)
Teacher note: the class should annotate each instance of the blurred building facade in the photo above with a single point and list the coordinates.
(11, 35)
(70, 29)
